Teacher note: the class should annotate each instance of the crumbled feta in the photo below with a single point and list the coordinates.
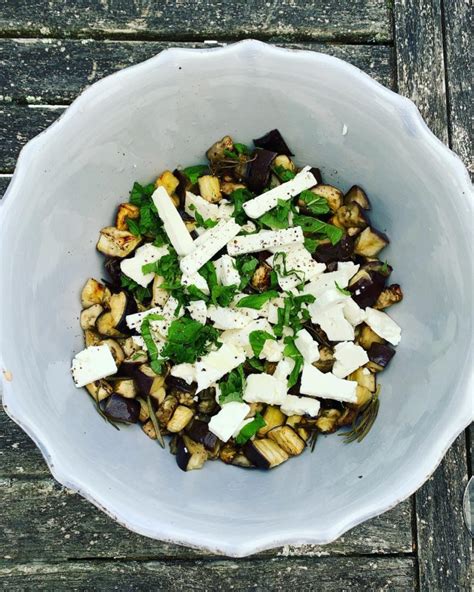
(284, 369)
(91, 364)
(353, 312)
(198, 311)
(272, 351)
(216, 364)
(195, 203)
(169, 312)
(349, 357)
(332, 321)
(226, 272)
(383, 325)
(327, 386)
(252, 243)
(240, 337)
(264, 388)
(133, 267)
(229, 418)
(184, 371)
(208, 244)
(174, 225)
(325, 281)
(256, 207)
(195, 279)
(307, 346)
(134, 321)
(249, 227)
(226, 318)
(295, 266)
(293, 405)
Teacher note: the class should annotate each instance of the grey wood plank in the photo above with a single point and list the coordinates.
(444, 548)
(458, 33)
(4, 182)
(55, 70)
(18, 454)
(203, 19)
(324, 574)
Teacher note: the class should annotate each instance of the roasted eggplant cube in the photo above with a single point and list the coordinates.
(326, 252)
(117, 243)
(259, 169)
(287, 439)
(118, 408)
(388, 297)
(99, 390)
(261, 277)
(90, 315)
(94, 292)
(112, 267)
(273, 418)
(148, 382)
(284, 162)
(273, 140)
(327, 421)
(366, 287)
(105, 325)
(367, 337)
(180, 419)
(217, 151)
(115, 350)
(125, 387)
(121, 305)
(187, 460)
(331, 194)
(91, 337)
(370, 242)
(166, 409)
(168, 181)
(130, 366)
(210, 189)
(380, 355)
(351, 215)
(264, 453)
(364, 378)
(183, 186)
(126, 211)
(357, 195)
(198, 431)
(326, 359)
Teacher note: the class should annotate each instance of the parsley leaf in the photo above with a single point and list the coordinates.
(208, 223)
(291, 351)
(233, 387)
(257, 340)
(316, 204)
(283, 174)
(167, 267)
(313, 225)
(342, 290)
(278, 216)
(241, 148)
(149, 223)
(220, 295)
(256, 364)
(292, 314)
(133, 226)
(141, 194)
(250, 429)
(245, 266)
(138, 291)
(257, 300)
(194, 172)
(187, 340)
(238, 198)
(153, 353)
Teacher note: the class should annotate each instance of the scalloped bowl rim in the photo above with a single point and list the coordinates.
(273, 540)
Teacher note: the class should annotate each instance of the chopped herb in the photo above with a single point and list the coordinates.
(238, 198)
(257, 300)
(313, 225)
(141, 194)
(200, 220)
(291, 351)
(187, 340)
(195, 293)
(250, 429)
(364, 421)
(273, 279)
(155, 362)
(232, 388)
(257, 340)
(133, 226)
(316, 204)
(342, 290)
(256, 364)
(241, 148)
(311, 244)
(279, 265)
(194, 172)
(245, 266)
(168, 268)
(283, 174)
(292, 314)
(220, 295)
(384, 268)
(231, 154)
(278, 216)
(138, 291)
(154, 421)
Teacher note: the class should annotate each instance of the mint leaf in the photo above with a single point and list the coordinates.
(291, 351)
(141, 194)
(313, 225)
(133, 226)
(245, 266)
(187, 340)
(138, 291)
(155, 362)
(220, 295)
(238, 198)
(283, 174)
(316, 204)
(311, 244)
(342, 291)
(257, 300)
(233, 387)
(278, 216)
(250, 429)
(256, 364)
(257, 340)
(231, 154)
(241, 148)
(194, 172)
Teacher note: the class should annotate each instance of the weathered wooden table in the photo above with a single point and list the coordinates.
(50, 538)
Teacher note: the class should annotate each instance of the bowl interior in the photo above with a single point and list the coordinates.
(166, 113)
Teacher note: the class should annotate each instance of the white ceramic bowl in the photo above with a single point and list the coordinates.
(164, 112)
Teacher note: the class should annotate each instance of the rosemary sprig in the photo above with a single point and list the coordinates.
(313, 439)
(364, 421)
(104, 417)
(154, 421)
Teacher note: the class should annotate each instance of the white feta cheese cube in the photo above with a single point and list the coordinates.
(294, 267)
(349, 357)
(198, 311)
(249, 227)
(263, 240)
(195, 203)
(174, 225)
(284, 369)
(332, 321)
(329, 280)
(169, 313)
(133, 267)
(239, 338)
(272, 309)
(195, 279)
(208, 244)
(134, 321)
(256, 207)
(91, 364)
(216, 364)
(383, 325)
(293, 405)
(226, 271)
(226, 318)
(353, 312)
(307, 346)
(226, 209)
(272, 351)
(264, 388)
(327, 386)
(229, 418)
(185, 371)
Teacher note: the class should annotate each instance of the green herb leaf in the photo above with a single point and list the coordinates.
(313, 225)
(256, 364)
(384, 268)
(233, 387)
(291, 351)
(250, 429)
(257, 300)
(342, 290)
(278, 216)
(138, 291)
(241, 148)
(148, 223)
(316, 204)
(283, 174)
(311, 244)
(167, 267)
(133, 226)
(194, 172)
(245, 266)
(257, 340)
(195, 293)
(231, 154)
(220, 295)
(208, 223)
(279, 266)
(141, 194)
(292, 314)
(238, 198)
(187, 340)
(155, 362)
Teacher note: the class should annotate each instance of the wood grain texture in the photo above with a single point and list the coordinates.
(64, 67)
(443, 546)
(4, 182)
(203, 19)
(458, 34)
(324, 574)
(18, 454)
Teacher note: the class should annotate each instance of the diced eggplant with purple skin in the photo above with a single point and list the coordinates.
(326, 252)
(367, 337)
(370, 242)
(180, 384)
(264, 453)
(91, 337)
(380, 355)
(90, 315)
(378, 266)
(130, 366)
(366, 287)
(125, 387)
(207, 401)
(357, 195)
(148, 382)
(112, 267)
(183, 186)
(117, 243)
(318, 334)
(105, 325)
(199, 432)
(122, 305)
(118, 408)
(326, 359)
(331, 194)
(388, 297)
(94, 292)
(273, 140)
(317, 175)
(261, 277)
(115, 349)
(259, 169)
(99, 390)
(217, 151)
(351, 216)
(188, 456)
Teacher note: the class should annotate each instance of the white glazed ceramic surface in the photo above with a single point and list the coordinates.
(165, 112)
